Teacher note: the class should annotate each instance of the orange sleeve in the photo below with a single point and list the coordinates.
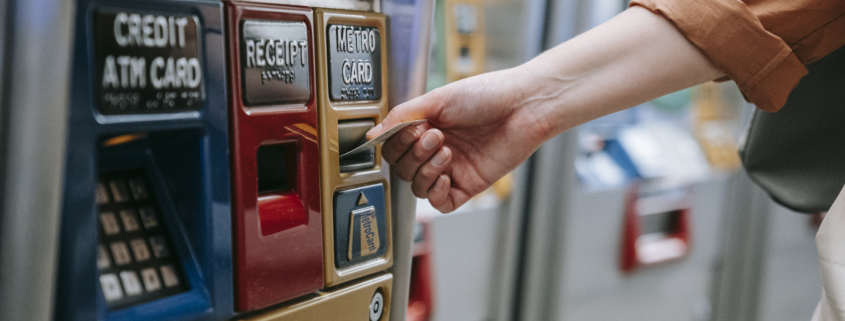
(762, 45)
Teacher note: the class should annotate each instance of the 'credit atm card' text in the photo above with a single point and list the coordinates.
(147, 62)
(274, 60)
(354, 62)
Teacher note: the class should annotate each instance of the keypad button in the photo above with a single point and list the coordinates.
(102, 194)
(151, 280)
(168, 273)
(148, 217)
(119, 191)
(159, 246)
(139, 248)
(109, 221)
(130, 220)
(131, 283)
(134, 256)
(103, 261)
(120, 252)
(138, 188)
(111, 287)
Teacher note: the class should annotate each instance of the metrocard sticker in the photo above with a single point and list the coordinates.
(364, 222)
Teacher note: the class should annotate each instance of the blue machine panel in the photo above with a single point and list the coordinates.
(146, 220)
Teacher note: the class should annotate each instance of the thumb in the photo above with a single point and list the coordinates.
(423, 107)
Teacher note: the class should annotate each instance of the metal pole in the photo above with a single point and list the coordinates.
(36, 68)
(409, 25)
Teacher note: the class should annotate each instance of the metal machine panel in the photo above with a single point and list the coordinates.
(365, 300)
(332, 113)
(146, 222)
(275, 163)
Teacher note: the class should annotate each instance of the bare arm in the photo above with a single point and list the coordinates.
(483, 127)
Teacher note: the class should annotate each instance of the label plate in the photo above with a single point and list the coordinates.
(274, 61)
(147, 62)
(354, 63)
(360, 225)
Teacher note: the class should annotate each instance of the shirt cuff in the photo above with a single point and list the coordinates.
(731, 36)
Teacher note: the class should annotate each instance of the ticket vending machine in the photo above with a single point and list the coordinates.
(145, 222)
(285, 217)
(203, 176)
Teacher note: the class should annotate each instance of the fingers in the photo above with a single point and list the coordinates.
(430, 171)
(420, 152)
(423, 107)
(399, 144)
(438, 195)
(444, 197)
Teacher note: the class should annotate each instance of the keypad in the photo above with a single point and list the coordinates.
(135, 256)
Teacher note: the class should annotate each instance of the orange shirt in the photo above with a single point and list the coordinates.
(762, 45)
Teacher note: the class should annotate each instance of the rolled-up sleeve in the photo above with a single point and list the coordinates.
(762, 45)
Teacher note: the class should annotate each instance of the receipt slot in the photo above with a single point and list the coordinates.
(278, 230)
(352, 86)
(145, 231)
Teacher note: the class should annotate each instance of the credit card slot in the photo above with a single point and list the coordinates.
(352, 133)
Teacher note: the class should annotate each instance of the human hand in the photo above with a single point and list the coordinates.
(478, 130)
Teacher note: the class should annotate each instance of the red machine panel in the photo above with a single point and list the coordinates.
(656, 228)
(421, 290)
(275, 164)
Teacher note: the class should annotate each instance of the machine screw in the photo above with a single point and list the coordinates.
(376, 306)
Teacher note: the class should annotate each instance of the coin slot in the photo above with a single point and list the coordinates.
(352, 133)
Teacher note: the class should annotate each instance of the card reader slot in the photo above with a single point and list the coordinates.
(351, 133)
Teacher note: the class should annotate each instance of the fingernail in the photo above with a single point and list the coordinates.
(430, 141)
(439, 158)
(374, 129)
(409, 136)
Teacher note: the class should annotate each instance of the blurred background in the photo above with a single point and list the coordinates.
(644, 214)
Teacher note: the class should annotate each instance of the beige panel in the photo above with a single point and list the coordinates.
(330, 112)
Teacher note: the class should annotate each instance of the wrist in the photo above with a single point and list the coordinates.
(547, 94)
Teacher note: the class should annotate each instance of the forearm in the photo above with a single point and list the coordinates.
(631, 59)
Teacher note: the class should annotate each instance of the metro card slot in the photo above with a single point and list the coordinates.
(351, 133)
